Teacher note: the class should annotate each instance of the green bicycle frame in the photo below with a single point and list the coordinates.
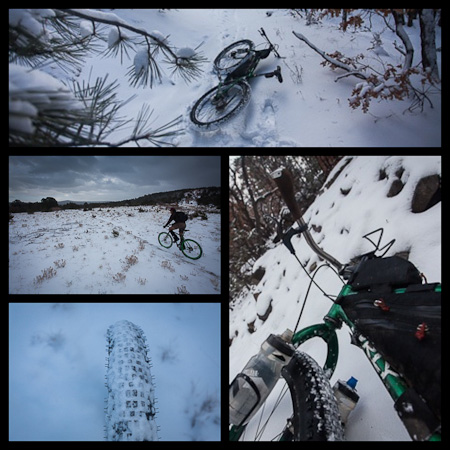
(327, 331)
(225, 87)
(391, 379)
(333, 320)
(228, 85)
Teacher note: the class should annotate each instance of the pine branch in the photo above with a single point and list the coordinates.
(145, 69)
(87, 115)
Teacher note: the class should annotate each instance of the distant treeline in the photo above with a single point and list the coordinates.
(203, 196)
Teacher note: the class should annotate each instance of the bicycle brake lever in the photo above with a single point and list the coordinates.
(288, 236)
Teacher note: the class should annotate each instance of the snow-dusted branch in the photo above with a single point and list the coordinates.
(46, 111)
(332, 61)
(113, 19)
(392, 84)
(145, 69)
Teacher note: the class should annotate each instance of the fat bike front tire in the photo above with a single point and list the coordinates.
(231, 57)
(130, 410)
(220, 104)
(316, 415)
(165, 239)
(191, 249)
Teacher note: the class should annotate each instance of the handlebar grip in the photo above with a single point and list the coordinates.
(283, 180)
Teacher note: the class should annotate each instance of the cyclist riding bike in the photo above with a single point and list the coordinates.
(179, 219)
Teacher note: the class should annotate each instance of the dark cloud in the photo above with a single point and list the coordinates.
(91, 178)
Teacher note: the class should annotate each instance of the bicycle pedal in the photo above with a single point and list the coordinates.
(278, 74)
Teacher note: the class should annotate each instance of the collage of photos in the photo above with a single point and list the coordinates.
(179, 175)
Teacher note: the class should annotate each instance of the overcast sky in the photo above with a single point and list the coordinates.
(107, 178)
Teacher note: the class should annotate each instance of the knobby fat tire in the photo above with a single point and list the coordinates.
(130, 410)
(223, 55)
(316, 414)
(202, 101)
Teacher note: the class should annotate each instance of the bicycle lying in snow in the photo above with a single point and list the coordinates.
(394, 318)
(235, 66)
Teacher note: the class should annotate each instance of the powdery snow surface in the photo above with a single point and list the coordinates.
(344, 219)
(309, 109)
(57, 358)
(76, 252)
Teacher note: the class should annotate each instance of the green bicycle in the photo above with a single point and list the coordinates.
(380, 300)
(190, 248)
(235, 66)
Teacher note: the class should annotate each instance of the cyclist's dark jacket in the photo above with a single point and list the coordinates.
(175, 218)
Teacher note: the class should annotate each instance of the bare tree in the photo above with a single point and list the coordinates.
(428, 42)
(254, 199)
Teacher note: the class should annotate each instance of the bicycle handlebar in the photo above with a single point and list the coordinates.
(283, 180)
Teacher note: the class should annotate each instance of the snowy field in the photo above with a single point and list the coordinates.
(76, 252)
(57, 356)
(309, 109)
(343, 219)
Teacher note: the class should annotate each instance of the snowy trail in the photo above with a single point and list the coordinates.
(308, 109)
(257, 125)
(76, 252)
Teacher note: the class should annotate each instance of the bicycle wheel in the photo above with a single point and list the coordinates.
(233, 56)
(316, 414)
(191, 249)
(311, 414)
(165, 239)
(220, 104)
(130, 411)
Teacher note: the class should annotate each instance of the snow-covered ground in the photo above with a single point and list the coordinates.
(309, 109)
(343, 219)
(76, 252)
(57, 357)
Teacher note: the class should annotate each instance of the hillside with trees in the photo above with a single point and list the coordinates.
(201, 196)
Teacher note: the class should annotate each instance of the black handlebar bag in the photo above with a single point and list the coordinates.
(401, 317)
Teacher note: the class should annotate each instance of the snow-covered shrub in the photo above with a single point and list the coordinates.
(46, 275)
(130, 261)
(60, 263)
(167, 265)
(119, 277)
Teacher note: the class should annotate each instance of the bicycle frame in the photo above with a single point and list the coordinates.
(327, 331)
(333, 320)
(336, 317)
(230, 83)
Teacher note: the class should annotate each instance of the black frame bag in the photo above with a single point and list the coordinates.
(402, 319)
